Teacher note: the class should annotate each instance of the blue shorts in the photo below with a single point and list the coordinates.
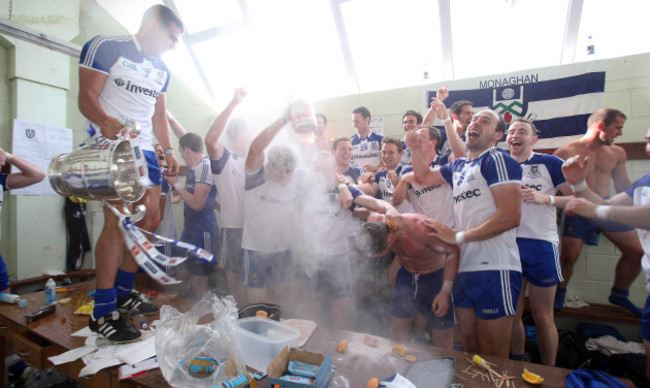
(260, 269)
(202, 239)
(414, 294)
(540, 262)
(230, 259)
(645, 320)
(492, 294)
(154, 167)
(4, 277)
(589, 230)
(334, 276)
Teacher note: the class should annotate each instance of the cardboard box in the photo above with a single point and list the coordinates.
(280, 364)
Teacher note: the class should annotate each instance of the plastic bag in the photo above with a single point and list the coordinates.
(182, 344)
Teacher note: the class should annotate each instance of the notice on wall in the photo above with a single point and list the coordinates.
(377, 125)
(39, 144)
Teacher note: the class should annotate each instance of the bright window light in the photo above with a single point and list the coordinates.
(207, 14)
(616, 28)
(497, 36)
(393, 42)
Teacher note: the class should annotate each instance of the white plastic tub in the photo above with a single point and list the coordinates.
(262, 339)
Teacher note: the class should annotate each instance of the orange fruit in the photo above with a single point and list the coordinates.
(399, 349)
(532, 378)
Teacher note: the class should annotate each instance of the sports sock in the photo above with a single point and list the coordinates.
(124, 283)
(105, 302)
(620, 297)
(560, 296)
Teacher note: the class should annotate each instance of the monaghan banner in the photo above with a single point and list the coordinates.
(557, 99)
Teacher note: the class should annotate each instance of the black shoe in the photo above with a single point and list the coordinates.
(114, 328)
(134, 301)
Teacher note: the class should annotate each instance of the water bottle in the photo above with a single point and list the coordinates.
(50, 292)
(9, 298)
(137, 320)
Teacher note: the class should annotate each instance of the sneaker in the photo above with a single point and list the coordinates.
(114, 328)
(135, 301)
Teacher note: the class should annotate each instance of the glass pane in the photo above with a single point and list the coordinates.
(497, 36)
(393, 42)
(199, 15)
(616, 29)
(290, 50)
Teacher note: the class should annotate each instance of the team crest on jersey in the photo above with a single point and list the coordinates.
(534, 172)
(30, 133)
(374, 146)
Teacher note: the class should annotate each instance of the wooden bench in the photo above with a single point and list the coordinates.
(81, 274)
(597, 312)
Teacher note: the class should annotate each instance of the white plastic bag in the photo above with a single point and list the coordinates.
(180, 339)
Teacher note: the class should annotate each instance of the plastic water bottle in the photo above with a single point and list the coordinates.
(137, 320)
(50, 292)
(9, 298)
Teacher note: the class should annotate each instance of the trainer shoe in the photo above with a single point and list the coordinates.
(114, 328)
(134, 301)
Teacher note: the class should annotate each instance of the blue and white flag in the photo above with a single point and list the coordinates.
(558, 100)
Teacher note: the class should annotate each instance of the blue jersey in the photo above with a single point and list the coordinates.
(366, 151)
(544, 174)
(474, 203)
(133, 85)
(204, 219)
(354, 172)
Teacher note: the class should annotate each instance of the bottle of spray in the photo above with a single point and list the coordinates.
(50, 292)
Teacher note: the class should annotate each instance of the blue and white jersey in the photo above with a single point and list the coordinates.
(324, 226)
(229, 173)
(204, 219)
(544, 174)
(354, 172)
(407, 157)
(434, 201)
(473, 204)
(386, 187)
(133, 85)
(366, 151)
(640, 193)
(3, 183)
(269, 210)
(445, 148)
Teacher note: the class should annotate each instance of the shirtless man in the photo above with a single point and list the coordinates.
(424, 281)
(608, 163)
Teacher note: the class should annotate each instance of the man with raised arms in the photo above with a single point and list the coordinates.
(487, 208)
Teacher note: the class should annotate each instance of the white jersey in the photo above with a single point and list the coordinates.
(434, 201)
(229, 174)
(386, 188)
(640, 193)
(474, 203)
(544, 174)
(133, 85)
(366, 151)
(269, 209)
(325, 227)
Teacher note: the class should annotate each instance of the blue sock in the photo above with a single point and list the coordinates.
(104, 302)
(620, 297)
(124, 283)
(560, 296)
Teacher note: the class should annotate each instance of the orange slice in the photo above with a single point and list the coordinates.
(342, 347)
(373, 383)
(532, 378)
(399, 349)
